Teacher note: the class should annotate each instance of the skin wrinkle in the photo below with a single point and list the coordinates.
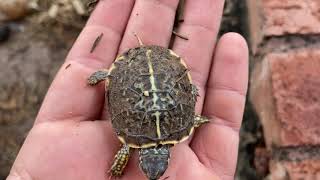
(180, 163)
(224, 122)
(163, 4)
(73, 118)
(201, 26)
(220, 87)
(71, 114)
(70, 130)
(89, 63)
(226, 119)
(105, 29)
(239, 98)
(76, 118)
(205, 158)
(16, 174)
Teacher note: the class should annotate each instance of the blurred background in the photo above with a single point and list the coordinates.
(280, 135)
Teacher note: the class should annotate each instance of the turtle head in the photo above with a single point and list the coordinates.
(154, 161)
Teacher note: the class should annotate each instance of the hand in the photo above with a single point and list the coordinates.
(69, 140)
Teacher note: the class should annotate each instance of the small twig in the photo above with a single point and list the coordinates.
(179, 35)
(138, 38)
(179, 18)
(166, 178)
(67, 66)
(96, 42)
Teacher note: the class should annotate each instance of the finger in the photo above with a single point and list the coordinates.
(201, 25)
(69, 97)
(152, 21)
(216, 144)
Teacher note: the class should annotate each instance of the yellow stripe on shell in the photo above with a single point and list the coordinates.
(157, 114)
(155, 96)
(151, 71)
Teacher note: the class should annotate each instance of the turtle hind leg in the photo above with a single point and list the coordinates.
(97, 77)
(199, 120)
(120, 161)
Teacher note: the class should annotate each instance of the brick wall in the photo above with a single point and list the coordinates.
(285, 83)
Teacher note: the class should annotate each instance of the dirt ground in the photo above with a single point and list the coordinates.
(37, 46)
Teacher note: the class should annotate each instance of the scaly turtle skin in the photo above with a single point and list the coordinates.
(152, 104)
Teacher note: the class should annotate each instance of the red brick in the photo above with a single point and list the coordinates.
(275, 18)
(285, 91)
(306, 170)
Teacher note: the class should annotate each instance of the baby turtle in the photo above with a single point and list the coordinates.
(152, 104)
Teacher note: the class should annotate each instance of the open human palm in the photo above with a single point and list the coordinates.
(72, 137)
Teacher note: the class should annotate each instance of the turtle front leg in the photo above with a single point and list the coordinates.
(97, 77)
(120, 161)
(199, 120)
